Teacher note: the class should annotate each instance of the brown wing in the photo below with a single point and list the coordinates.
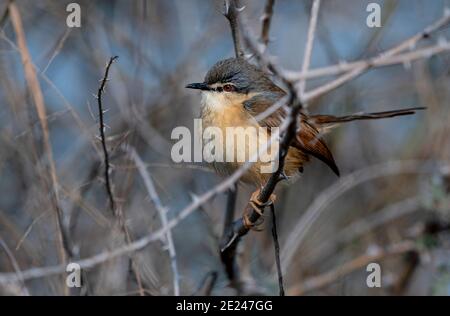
(308, 139)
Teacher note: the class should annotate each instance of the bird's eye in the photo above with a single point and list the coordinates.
(228, 88)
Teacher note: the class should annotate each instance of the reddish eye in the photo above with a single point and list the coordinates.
(228, 88)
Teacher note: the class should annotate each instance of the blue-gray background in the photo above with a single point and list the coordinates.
(162, 46)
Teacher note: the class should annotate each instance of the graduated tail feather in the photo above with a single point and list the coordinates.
(309, 140)
(331, 119)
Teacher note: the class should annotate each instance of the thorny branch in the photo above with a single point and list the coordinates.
(142, 242)
(251, 216)
(162, 211)
(22, 287)
(243, 225)
(102, 127)
(318, 206)
(285, 77)
(409, 245)
(117, 212)
(230, 12)
(320, 281)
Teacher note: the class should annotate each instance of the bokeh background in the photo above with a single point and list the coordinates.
(395, 180)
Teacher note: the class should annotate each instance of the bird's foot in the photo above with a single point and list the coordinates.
(256, 226)
(259, 206)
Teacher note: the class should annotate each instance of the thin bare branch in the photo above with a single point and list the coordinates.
(15, 264)
(232, 9)
(144, 241)
(319, 205)
(360, 67)
(162, 211)
(277, 250)
(266, 21)
(101, 123)
(38, 99)
(327, 278)
(141, 243)
(309, 44)
(410, 43)
(358, 228)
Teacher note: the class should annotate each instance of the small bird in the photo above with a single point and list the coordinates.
(234, 92)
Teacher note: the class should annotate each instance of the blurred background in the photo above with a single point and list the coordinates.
(391, 205)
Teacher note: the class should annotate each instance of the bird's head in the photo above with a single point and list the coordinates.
(234, 80)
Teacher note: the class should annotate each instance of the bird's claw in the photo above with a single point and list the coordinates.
(259, 206)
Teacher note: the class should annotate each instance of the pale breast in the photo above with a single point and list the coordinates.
(242, 138)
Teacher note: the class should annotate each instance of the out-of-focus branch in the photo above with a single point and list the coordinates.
(277, 250)
(410, 245)
(4, 14)
(162, 211)
(327, 278)
(228, 262)
(207, 284)
(142, 242)
(38, 99)
(360, 67)
(409, 43)
(231, 11)
(309, 44)
(266, 21)
(360, 227)
(102, 127)
(242, 226)
(16, 267)
(288, 132)
(318, 206)
(160, 233)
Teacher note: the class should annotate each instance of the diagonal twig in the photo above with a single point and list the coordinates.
(320, 281)
(162, 211)
(16, 267)
(418, 166)
(320, 203)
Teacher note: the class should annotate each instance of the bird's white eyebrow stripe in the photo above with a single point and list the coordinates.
(218, 86)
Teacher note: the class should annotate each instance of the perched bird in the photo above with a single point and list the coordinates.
(234, 92)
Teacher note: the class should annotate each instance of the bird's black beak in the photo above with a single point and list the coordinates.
(200, 86)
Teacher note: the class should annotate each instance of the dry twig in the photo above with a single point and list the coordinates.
(162, 211)
(231, 12)
(266, 21)
(320, 203)
(102, 127)
(38, 99)
(309, 44)
(320, 281)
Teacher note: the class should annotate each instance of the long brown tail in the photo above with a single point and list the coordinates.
(331, 119)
